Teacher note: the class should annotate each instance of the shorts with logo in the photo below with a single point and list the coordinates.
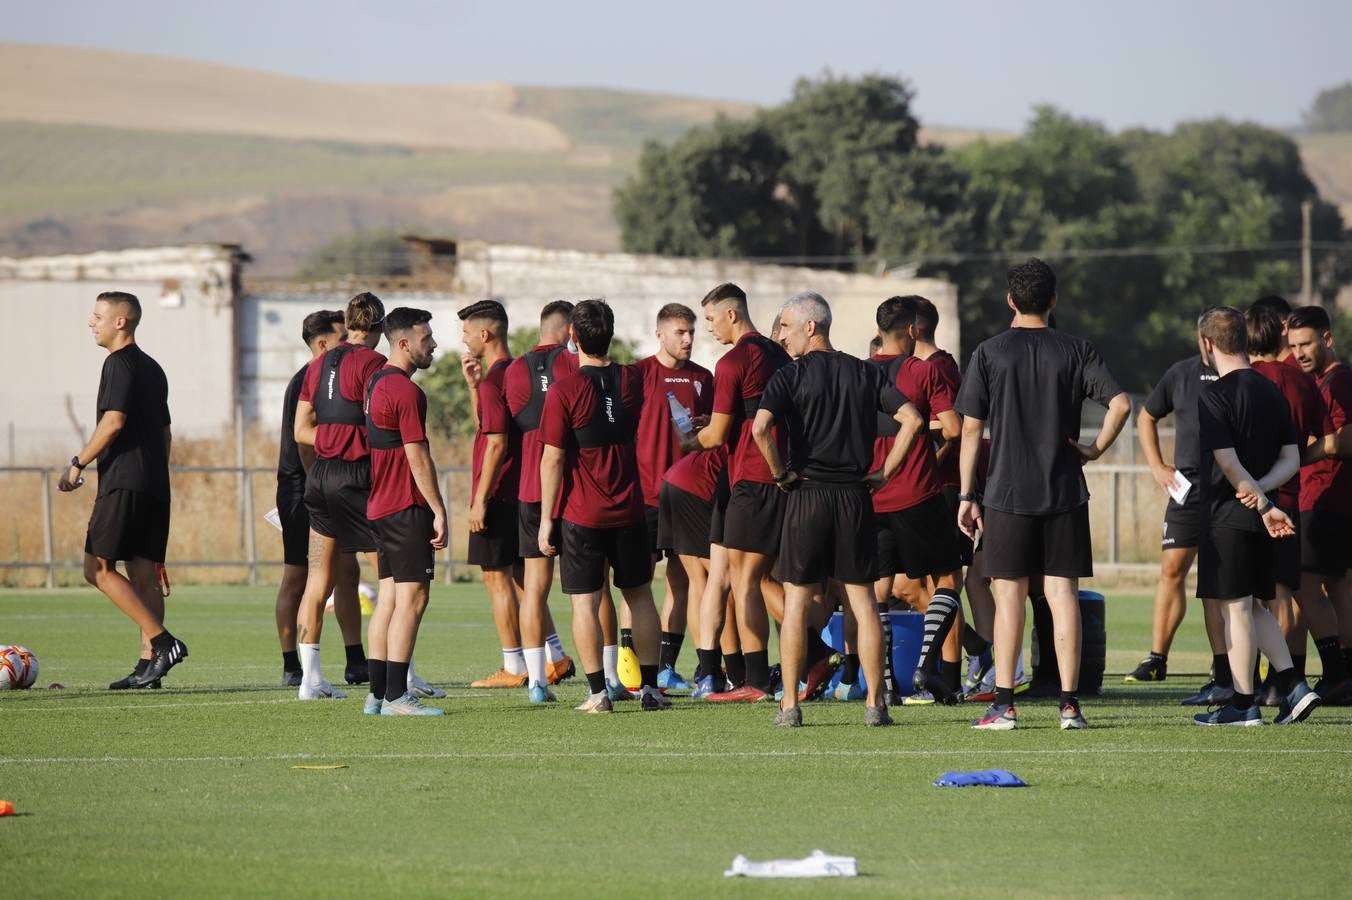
(683, 522)
(528, 531)
(752, 521)
(496, 546)
(1233, 563)
(405, 545)
(585, 552)
(828, 532)
(917, 541)
(1014, 545)
(295, 529)
(1182, 524)
(128, 525)
(1325, 542)
(336, 491)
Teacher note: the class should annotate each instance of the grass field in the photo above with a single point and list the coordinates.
(193, 790)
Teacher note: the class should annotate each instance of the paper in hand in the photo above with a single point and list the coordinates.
(1179, 487)
(273, 518)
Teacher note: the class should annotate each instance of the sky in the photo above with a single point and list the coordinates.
(972, 64)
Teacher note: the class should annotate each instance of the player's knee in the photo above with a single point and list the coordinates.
(93, 566)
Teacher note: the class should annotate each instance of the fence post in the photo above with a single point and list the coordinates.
(48, 540)
(1113, 549)
(250, 534)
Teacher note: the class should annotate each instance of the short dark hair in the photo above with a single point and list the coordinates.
(319, 324)
(675, 311)
(556, 308)
(926, 317)
(1032, 285)
(874, 345)
(1224, 326)
(492, 310)
(1265, 330)
(896, 313)
(365, 312)
(125, 299)
(727, 291)
(593, 326)
(404, 318)
(1275, 303)
(1315, 317)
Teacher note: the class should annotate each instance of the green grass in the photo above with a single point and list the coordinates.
(192, 790)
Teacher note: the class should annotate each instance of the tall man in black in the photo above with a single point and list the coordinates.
(130, 521)
(828, 402)
(1246, 427)
(321, 331)
(1030, 383)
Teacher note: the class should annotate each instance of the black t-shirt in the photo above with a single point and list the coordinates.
(1028, 385)
(1177, 394)
(827, 402)
(1246, 412)
(137, 459)
(290, 471)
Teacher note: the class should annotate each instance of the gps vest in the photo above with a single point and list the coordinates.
(331, 407)
(888, 426)
(380, 438)
(540, 369)
(751, 404)
(611, 423)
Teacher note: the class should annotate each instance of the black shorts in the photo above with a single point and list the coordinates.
(1286, 556)
(1232, 563)
(128, 525)
(1325, 543)
(917, 541)
(528, 531)
(752, 522)
(295, 529)
(718, 514)
(336, 492)
(683, 522)
(405, 545)
(1182, 525)
(585, 552)
(1019, 546)
(652, 521)
(496, 546)
(950, 495)
(828, 532)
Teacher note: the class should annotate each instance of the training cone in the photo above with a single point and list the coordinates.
(6, 808)
(629, 672)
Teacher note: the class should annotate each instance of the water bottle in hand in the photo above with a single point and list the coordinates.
(679, 414)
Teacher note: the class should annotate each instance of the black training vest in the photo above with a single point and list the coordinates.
(380, 438)
(331, 407)
(540, 369)
(887, 425)
(751, 404)
(611, 423)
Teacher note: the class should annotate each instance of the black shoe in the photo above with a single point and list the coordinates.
(291, 679)
(122, 684)
(1334, 694)
(934, 683)
(161, 661)
(355, 673)
(1152, 668)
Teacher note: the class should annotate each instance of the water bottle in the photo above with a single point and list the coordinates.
(679, 414)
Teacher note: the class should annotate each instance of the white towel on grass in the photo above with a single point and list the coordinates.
(818, 865)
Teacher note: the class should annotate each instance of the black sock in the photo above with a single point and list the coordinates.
(596, 681)
(949, 672)
(1298, 663)
(758, 669)
(1159, 657)
(648, 675)
(817, 649)
(849, 672)
(1068, 698)
(1347, 661)
(1004, 696)
(708, 662)
(1285, 681)
(290, 661)
(671, 648)
(162, 641)
(1330, 659)
(396, 679)
(627, 638)
(140, 667)
(736, 665)
(1243, 701)
(355, 653)
(1220, 667)
(939, 615)
(973, 643)
(377, 669)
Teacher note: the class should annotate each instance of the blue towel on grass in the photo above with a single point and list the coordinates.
(988, 777)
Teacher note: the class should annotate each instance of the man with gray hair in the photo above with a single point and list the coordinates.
(827, 402)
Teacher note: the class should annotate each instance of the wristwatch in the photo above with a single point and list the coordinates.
(969, 498)
(75, 462)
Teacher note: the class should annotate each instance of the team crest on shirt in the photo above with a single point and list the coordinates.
(699, 388)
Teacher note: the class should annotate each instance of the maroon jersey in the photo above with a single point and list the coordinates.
(947, 368)
(524, 394)
(1307, 412)
(340, 399)
(739, 380)
(692, 386)
(495, 418)
(1328, 483)
(397, 407)
(1293, 362)
(918, 478)
(697, 473)
(600, 473)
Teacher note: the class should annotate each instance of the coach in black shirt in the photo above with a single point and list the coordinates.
(130, 521)
(1030, 383)
(828, 403)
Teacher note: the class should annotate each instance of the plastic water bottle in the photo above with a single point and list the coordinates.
(679, 414)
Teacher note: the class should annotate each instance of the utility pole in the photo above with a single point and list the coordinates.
(1306, 255)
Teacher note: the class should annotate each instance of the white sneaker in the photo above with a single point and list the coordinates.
(324, 691)
(418, 687)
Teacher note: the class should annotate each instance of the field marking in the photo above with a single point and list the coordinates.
(661, 754)
(68, 706)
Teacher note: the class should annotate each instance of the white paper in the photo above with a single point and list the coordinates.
(273, 519)
(1179, 487)
(818, 865)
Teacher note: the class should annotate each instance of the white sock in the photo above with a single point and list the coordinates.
(610, 659)
(309, 664)
(535, 667)
(555, 647)
(411, 673)
(513, 661)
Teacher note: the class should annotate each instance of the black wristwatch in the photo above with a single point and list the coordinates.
(969, 498)
(75, 462)
(1262, 510)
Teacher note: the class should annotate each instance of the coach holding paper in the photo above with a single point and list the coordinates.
(1030, 383)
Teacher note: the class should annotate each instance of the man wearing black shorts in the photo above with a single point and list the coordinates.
(1030, 382)
(330, 418)
(1245, 426)
(406, 511)
(587, 429)
(828, 403)
(321, 331)
(130, 521)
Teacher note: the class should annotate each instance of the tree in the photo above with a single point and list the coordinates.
(365, 254)
(1331, 110)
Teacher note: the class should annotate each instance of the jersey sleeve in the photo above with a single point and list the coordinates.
(974, 399)
(728, 385)
(939, 391)
(1340, 400)
(494, 416)
(777, 398)
(1098, 383)
(310, 382)
(410, 410)
(1214, 427)
(119, 385)
(555, 420)
(1160, 403)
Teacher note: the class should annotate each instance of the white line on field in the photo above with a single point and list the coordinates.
(66, 706)
(661, 754)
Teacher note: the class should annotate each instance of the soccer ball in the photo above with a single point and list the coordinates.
(18, 668)
(366, 596)
(30, 666)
